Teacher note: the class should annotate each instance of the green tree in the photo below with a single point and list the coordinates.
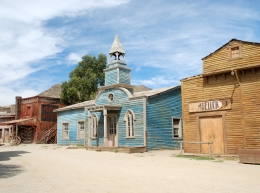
(84, 80)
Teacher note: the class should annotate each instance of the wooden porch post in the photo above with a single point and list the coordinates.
(105, 126)
(16, 132)
(89, 129)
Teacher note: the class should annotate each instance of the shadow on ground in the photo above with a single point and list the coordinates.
(7, 171)
(6, 155)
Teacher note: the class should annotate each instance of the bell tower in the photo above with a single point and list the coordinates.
(117, 72)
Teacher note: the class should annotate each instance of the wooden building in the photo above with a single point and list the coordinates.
(120, 116)
(222, 104)
(34, 116)
(7, 113)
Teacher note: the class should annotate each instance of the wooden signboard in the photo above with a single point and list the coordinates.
(214, 105)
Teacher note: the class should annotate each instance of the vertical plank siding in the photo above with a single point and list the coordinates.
(160, 110)
(72, 117)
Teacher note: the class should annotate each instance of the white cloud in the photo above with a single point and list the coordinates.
(74, 58)
(25, 40)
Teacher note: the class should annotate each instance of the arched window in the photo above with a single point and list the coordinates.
(129, 119)
(94, 125)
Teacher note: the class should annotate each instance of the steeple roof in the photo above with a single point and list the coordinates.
(117, 46)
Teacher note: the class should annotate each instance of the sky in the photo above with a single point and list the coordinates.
(41, 42)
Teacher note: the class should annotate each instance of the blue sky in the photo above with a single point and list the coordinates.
(164, 40)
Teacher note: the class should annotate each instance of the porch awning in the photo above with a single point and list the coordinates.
(107, 107)
(18, 121)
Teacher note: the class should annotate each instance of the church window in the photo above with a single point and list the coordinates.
(129, 119)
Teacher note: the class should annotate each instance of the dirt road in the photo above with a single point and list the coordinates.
(53, 168)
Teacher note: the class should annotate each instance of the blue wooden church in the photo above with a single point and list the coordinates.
(122, 117)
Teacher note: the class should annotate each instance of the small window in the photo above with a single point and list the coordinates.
(94, 126)
(111, 97)
(65, 131)
(81, 130)
(235, 52)
(176, 128)
(129, 118)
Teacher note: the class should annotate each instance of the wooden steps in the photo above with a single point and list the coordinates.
(50, 137)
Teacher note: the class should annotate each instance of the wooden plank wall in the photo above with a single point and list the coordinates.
(111, 77)
(124, 76)
(247, 110)
(136, 105)
(160, 110)
(71, 116)
(220, 60)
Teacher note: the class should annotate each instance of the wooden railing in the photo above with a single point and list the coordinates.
(47, 138)
(190, 142)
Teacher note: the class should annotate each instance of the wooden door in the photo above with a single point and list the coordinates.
(211, 130)
(112, 130)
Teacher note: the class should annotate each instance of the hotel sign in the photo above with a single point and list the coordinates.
(214, 105)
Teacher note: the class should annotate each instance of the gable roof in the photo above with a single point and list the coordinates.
(53, 92)
(76, 106)
(156, 92)
(245, 42)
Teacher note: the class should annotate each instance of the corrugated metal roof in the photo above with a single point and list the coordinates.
(18, 120)
(76, 106)
(150, 93)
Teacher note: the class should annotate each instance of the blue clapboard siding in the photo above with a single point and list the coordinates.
(124, 76)
(160, 110)
(136, 105)
(72, 117)
(111, 77)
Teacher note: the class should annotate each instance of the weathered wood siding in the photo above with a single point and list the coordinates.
(219, 61)
(72, 117)
(136, 105)
(241, 122)
(111, 77)
(160, 110)
(124, 76)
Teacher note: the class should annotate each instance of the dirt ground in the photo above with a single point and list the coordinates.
(53, 168)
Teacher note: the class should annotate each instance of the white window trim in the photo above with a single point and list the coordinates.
(63, 123)
(91, 126)
(180, 131)
(78, 129)
(126, 124)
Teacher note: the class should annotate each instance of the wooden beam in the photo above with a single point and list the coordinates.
(243, 72)
(253, 71)
(215, 77)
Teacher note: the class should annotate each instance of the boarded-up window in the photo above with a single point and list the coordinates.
(176, 128)
(235, 52)
(81, 130)
(65, 131)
